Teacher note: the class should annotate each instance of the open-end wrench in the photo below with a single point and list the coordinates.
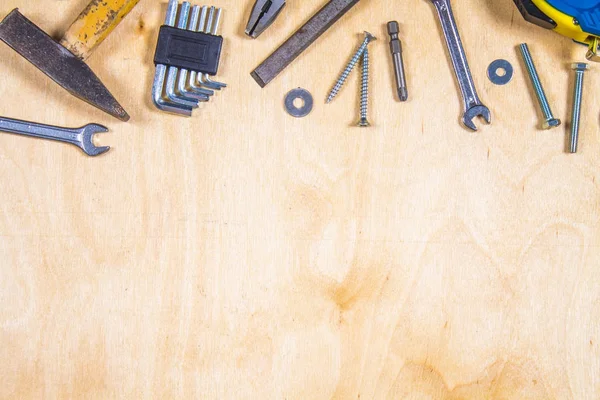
(473, 106)
(80, 137)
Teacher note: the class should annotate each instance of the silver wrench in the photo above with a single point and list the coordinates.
(473, 105)
(80, 137)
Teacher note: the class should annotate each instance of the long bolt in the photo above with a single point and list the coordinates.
(550, 121)
(396, 50)
(364, 91)
(355, 58)
(580, 69)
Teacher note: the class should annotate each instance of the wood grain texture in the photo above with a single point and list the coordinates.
(244, 254)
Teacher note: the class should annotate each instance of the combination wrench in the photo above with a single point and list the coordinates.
(473, 105)
(80, 137)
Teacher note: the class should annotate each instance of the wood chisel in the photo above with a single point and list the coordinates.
(317, 25)
(575, 19)
(64, 62)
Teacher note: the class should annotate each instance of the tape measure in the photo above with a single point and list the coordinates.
(576, 19)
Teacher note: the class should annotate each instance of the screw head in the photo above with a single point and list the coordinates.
(370, 37)
(363, 123)
(551, 123)
(580, 66)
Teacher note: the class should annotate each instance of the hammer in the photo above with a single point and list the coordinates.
(64, 62)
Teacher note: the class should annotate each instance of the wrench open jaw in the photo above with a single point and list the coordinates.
(476, 111)
(86, 140)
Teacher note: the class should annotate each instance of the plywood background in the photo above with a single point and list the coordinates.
(244, 254)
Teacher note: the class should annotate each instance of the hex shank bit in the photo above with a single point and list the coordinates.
(301, 40)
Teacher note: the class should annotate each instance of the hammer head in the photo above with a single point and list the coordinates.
(58, 63)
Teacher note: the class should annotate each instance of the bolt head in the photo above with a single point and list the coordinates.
(551, 123)
(580, 66)
(370, 37)
(363, 123)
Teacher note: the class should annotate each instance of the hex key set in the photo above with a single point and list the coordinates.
(187, 53)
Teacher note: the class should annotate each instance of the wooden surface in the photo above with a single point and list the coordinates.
(244, 254)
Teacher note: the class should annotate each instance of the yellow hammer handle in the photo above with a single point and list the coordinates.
(94, 24)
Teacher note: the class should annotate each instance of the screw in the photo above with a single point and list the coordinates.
(396, 50)
(550, 121)
(355, 58)
(364, 91)
(580, 69)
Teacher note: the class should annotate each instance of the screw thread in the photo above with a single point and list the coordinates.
(349, 67)
(535, 80)
(576, 116)
(364, 90)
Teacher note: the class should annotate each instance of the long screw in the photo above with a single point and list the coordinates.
(396, 50)
(364, 92)
(580, 69)
(355, 58)
(550, 121)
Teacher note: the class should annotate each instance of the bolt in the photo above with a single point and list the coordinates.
(550, 121)
(364, 91)
(355, 58)
(580, 69)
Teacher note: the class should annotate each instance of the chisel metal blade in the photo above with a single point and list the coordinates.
(58, 63)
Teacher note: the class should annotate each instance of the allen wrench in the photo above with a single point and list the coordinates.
(211, 28)
(161, 73)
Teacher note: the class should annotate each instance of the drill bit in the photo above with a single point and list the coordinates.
(396, 50)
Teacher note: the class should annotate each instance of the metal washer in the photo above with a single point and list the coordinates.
(299, 94)
(493, 72)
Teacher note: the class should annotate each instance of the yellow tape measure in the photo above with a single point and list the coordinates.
(576, 19)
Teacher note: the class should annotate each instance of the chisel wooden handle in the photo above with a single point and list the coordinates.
(94, 24)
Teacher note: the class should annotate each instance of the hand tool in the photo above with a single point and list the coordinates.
(64, 62)
(500, 65)
(396, 49)
(473, 106)
(350, 66)
(550, 121)
(307, 103)
(263, 15)
(580, 69)
(80, 137)
(575, 19)
(301, 40)
(184, 57)
(363, 122)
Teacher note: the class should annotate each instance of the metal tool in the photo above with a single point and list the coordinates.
(211, 27)
(575, 19)
(500, 78)
(64, 62)
(190, 49)
(80, 137)
(307, 103)
(350, 66)
(396, 49)
(263, 15)
(184, 88)
(550, 121)
(363, 122)
(580, 69)
(473, 105)
(301, 40)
